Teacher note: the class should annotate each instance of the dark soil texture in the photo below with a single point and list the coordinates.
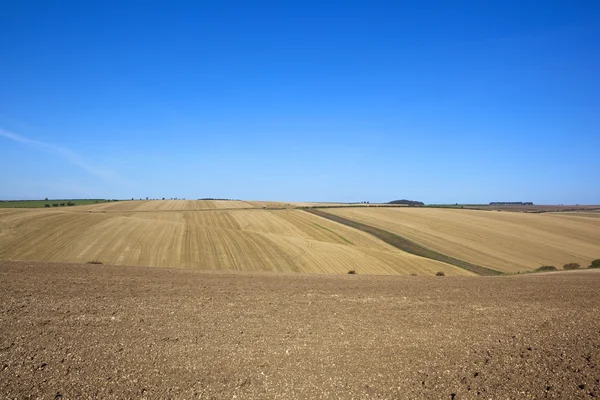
(98, 331)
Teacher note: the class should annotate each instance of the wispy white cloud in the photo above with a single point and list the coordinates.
(99, 171)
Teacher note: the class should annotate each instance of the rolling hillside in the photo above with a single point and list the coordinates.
(242, 239)
(507, 242)
(274, 236)
(167, 205)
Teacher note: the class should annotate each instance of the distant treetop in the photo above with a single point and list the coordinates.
(511, 203)
(411, 203)
(213, 198)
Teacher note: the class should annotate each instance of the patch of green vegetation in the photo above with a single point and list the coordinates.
(48, 203)
(546, 268)
(410, 203)
(459, 206)
(336, 234)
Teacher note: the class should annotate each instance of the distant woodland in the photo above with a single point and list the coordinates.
(511, 203)
(411, 203)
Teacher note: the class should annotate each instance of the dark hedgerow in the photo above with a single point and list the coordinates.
(440, 273)
(571, 266)
(352, 272)
(546, 268)
(595, 264)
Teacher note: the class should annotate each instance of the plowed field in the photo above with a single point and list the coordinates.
(105, 332)
(504, 241)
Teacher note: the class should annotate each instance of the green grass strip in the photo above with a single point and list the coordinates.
(336, 234)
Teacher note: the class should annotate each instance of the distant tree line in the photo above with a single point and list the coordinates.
(411, 203)
(511, 203)
(212, 198)
(69, 203)
(569, 266)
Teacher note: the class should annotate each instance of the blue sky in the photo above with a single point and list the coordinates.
(444, 102)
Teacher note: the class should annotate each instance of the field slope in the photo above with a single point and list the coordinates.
(405, 244)
(168, 205)
(219, 239)
(507, 242)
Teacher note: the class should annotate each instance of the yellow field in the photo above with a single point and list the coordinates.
(504, 241)
(281, 204)
(185, 205)
(166, 205)
(202, 235)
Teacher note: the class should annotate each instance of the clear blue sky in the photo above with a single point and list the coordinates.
(449, 101)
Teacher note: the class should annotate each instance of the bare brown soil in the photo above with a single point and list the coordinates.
(98, 331)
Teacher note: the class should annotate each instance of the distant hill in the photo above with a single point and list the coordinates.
(511, 203)
(411, 203)
(213, 198)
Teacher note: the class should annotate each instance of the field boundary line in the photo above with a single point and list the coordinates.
(404, 244)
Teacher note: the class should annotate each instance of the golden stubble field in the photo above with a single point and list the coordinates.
(505, 241)
(274, 236)
(191, 205)
(210, 235)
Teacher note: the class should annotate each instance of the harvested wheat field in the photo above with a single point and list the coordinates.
(231, 239)
(507, 242)
(183, 205)
(166, 205)
(280, 204)
(98, 331)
